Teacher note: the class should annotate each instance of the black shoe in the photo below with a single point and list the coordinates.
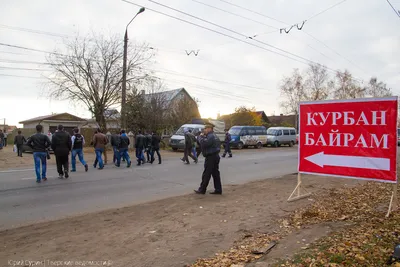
(216, 193)
(44, 179)
(66, 175)
(159, 162)
(223, 156)
(100, 168)
(38, 181)
(230, 156)
(116, 165)
(199, 192)
(129, 165)
(86, 168)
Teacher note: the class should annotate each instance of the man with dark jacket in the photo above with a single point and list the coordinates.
(189, 139)
(155, 147)
(227, 144)
(210, 146)
(99, 142)
(19, 141)
(123, 149)
(61, 144)
(39, 144)
(140, 146)
(1, 139)
(148, 145)
(78, 141)
(115, 139)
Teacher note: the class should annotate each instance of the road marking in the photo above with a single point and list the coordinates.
(30, 178)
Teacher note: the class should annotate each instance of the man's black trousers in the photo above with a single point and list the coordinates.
(62, 164)
(211, 168)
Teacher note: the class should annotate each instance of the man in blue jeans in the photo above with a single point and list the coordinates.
(78, 141)
(123, 149)
(99, 142)
(39, 144)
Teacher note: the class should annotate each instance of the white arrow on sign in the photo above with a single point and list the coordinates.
(322, 160)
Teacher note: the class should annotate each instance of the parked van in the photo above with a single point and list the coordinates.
(177, 141)
(245, 136)
(277, 136)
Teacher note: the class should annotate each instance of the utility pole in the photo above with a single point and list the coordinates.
(124, 69)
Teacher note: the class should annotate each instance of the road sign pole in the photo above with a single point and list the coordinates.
(298, 190)
(393, 199)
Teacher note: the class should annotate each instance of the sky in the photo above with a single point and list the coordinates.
(361, 36)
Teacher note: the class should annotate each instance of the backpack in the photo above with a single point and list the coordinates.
(78, 139)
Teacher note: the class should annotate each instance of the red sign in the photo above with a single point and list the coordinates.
(349, 138)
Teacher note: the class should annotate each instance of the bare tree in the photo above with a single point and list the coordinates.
(345, 87)
(378, 89)
(156, 106)
(182, 111)
(91, 72)
(292, 89)
(316, 83)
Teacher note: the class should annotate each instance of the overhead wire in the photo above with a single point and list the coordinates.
(305, 61)
(395, 11)
(313, 37)
(34, 31)
(19, 76)
(252, 11)
(234, 14)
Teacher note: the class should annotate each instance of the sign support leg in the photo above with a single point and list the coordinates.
(298, 190)
(393, 201)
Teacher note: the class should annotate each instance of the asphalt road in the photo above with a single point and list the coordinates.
(22, 201)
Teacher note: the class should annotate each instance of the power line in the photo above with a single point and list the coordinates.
(313, 16)
(234, 14)
(277, 48)
(12, 68)
(226, 35)
(323, 11)
(395, 11)
(34, 31)
(19, 76)
(252, 11)
(211, 80)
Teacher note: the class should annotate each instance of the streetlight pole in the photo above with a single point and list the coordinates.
(123, 100)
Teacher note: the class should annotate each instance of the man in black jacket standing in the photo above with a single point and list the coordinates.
(210, 147)
(61, 145)
(39, 144)
(155, 147)
(19, 141)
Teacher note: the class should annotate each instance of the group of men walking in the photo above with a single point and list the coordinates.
(62, 144)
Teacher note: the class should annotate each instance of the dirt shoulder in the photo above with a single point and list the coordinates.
(171, 232)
